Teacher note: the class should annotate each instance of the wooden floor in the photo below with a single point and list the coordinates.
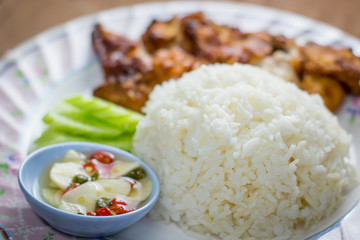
(22, 19)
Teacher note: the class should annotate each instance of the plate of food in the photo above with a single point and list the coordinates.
(248, 115)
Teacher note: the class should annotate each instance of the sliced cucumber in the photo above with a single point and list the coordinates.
(110, 113)
(89, 119)
(52, 136)
(77, 126)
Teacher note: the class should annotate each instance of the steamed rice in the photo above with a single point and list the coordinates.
(241, 153)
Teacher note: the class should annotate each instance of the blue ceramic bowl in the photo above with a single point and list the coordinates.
(78, 225)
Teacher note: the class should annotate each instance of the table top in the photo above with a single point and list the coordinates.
(20, 20)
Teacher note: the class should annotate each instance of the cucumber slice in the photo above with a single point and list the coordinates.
(52, 136)
(89, 119)
(107, 112)
(78, 125)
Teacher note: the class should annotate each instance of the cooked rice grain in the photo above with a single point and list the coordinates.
(241, 153)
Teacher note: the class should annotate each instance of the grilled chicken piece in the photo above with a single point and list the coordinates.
(223, 44)
(340, 64)
(124, 67)
(129, 94)
(329, 89)
(120, 57)
(172, 63)
(133, 93)
(161, 34)
(204, 39)
(130, 73)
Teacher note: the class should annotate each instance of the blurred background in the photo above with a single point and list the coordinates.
(22, 19)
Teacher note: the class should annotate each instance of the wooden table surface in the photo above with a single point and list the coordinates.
(22, 19)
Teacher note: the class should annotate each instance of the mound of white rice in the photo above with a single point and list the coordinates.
(241, 153)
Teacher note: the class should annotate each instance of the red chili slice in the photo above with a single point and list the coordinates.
(67, 190)
(117, 209)
(118, 201)
(90, 165)
(91, 214)
(103, 157)
(103, 211)
(129, 210)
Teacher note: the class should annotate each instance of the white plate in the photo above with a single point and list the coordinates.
(60, 62)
